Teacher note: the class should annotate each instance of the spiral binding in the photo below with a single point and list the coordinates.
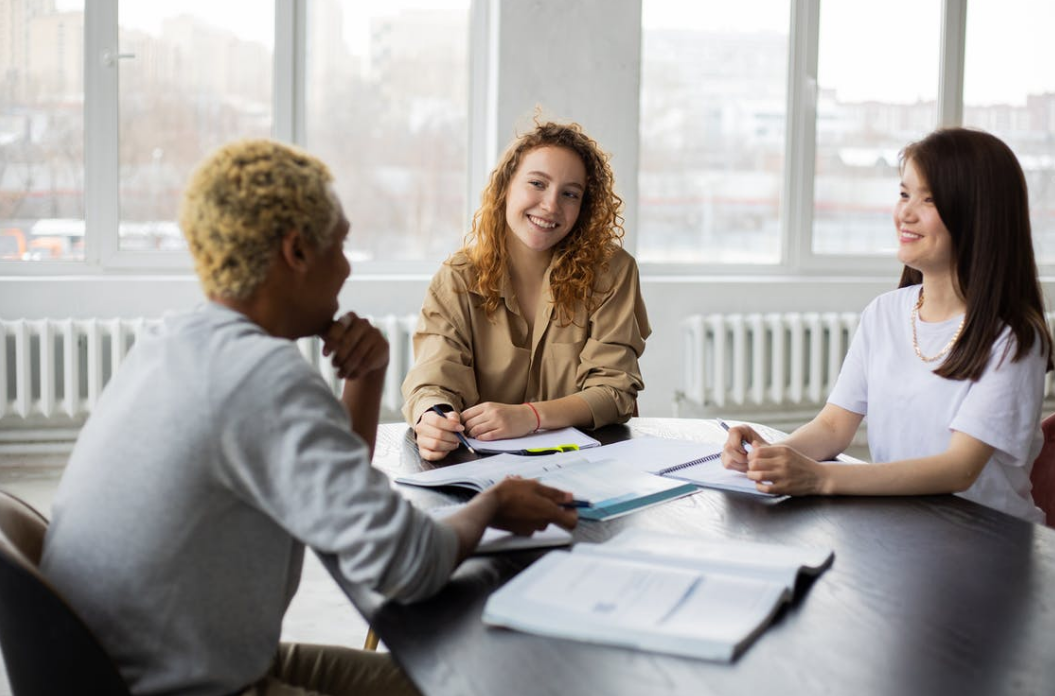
(694, 462)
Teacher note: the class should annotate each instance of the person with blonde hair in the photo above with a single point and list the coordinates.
(216, 454)
(538, 321)
(949, 368)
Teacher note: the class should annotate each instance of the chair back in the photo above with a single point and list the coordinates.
(47, 648)
(1043, 474)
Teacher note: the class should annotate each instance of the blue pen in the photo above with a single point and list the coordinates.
(436, 409)
(743, 443)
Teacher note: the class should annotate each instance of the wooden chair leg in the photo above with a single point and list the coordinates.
(371, 640)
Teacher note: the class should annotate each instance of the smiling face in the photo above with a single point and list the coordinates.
(923, 241)
(544, 197)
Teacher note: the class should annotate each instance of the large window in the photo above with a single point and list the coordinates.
(41, 131)
(1009, 90)
(383, 99)
(877, 91)
(865, 80)
(387, 109)
(713, 103)
(194, 75)
(768, 140)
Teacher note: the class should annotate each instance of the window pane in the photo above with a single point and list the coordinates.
(41, 131)
(201, 76)
(713, 102)
(1009, 92)
(878, 89)
(387, 102)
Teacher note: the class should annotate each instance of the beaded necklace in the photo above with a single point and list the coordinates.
(915, 340)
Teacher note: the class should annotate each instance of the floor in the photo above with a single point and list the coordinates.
(320, 613)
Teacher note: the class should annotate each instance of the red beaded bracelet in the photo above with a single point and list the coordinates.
(538, 419)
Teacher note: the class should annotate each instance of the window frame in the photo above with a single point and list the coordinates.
(102, 205)
(797, 204)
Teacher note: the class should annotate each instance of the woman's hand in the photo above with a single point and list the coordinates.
(734, 456)
(436, 435)
(784, 471)
(494, 421)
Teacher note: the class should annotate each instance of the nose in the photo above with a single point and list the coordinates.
(549, 199)
(906, 210)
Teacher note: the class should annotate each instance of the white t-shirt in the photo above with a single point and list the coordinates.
(912, 412)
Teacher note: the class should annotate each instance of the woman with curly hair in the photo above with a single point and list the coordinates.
(538, 321)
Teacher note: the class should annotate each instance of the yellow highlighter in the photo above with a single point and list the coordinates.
(550, 450)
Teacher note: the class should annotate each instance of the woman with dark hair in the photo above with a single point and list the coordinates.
(538, 321)
(949, 368)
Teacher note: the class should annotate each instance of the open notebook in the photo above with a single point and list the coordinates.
(696, 462)
(655, 591)
(542, 440)
(612, 487)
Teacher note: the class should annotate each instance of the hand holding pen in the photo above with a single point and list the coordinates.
(438, 433)
(461, 438)
(738, 446)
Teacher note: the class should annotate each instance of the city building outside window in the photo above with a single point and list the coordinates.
(41, 131)
(1009, 91)
(874, 97)
(713, 108)
(387, 109)
(195, 74)
(385, 97)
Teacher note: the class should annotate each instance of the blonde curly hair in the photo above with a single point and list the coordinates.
(239, 204)
(582, 255)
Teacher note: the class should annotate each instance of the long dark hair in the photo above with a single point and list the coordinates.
(980, 193)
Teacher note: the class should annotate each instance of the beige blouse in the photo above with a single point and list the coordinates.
(463, 357)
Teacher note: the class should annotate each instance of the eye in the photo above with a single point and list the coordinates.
(572, 195)
(904, 196)
(537, 184)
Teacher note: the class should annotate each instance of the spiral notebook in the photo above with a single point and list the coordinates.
(696, 462)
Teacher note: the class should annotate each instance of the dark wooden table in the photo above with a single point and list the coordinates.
(927, 595)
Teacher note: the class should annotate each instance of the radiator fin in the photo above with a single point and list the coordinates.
(59, 367)
(769, 362)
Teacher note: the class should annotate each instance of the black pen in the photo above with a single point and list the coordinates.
(436, 409)
(743, 443)
(576, 503)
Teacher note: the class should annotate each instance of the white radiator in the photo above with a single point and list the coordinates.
(781, 365)
(57, 368)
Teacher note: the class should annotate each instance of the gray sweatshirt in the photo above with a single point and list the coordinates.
(213, 456)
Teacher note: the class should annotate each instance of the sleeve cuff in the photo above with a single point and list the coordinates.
(602, 406)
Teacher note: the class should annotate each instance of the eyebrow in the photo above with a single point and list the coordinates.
(547, 177)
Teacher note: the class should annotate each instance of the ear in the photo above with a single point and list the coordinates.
(294, 250)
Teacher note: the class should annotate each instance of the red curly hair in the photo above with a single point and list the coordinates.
(582, 255)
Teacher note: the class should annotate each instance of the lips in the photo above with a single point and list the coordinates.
(542, 223)
(906, 236)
